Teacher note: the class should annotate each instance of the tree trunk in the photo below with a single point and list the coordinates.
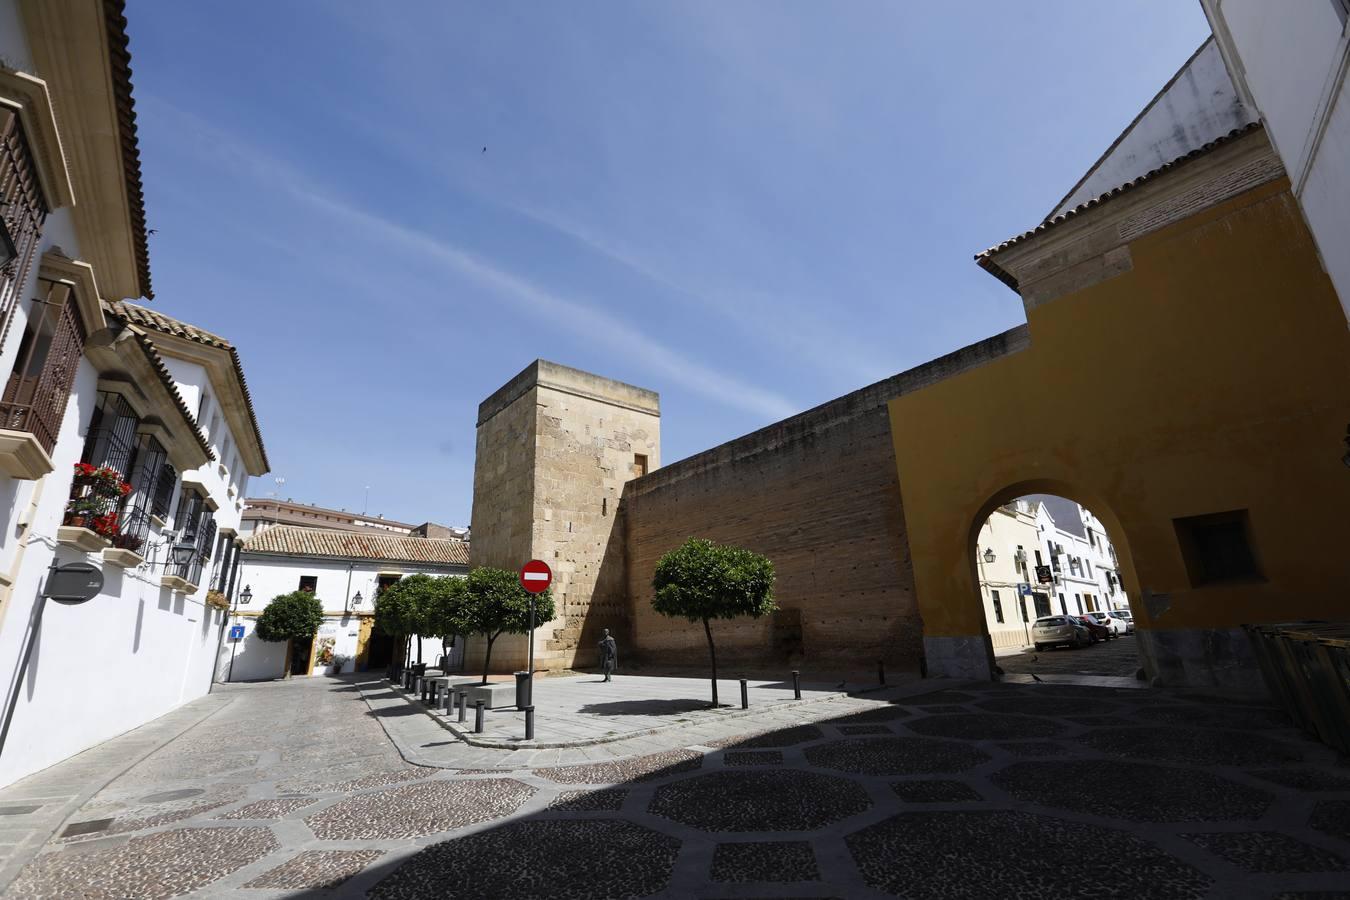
(487, 657)
(419, 649)
(288, 659)
(445, 655)
(712, 651)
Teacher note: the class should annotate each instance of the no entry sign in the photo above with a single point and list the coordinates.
(536, 576)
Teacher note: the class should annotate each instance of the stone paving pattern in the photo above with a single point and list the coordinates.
(975, 790)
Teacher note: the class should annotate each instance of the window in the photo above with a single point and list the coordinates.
(639, 464)
(309, 583)
(1042, 604)
(1063, 607)
(1078, 598)
(23, 209)
(998, 606)
(202, 404)
(1217, 548)
(35, 396)
(1039, 561)
(110, 442)
(162, 497)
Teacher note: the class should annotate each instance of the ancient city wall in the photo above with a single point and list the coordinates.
(818, 494)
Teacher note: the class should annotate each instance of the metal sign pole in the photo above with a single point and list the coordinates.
(530, 664)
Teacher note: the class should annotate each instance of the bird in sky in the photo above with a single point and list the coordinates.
(484, 149)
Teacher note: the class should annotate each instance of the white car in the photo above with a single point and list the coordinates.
(1125, 616)
(1051, 631)
(1107, 620)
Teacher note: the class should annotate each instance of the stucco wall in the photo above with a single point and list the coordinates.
(1233, 392)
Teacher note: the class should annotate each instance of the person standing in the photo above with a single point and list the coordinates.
(609, 655)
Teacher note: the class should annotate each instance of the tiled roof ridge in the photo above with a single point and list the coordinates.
(300, 540)
(985, 258)
(119, 57)
(157, 321)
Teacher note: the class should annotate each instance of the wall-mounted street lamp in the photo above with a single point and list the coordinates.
(989, 556)
(356, 601)
(246, 595)
(179, 552)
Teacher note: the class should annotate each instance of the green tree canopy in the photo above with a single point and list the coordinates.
(495, 604)
(701, 581)
(294, 616)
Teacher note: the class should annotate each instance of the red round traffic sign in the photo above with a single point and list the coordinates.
(536, 576)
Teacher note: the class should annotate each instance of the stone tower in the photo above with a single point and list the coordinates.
(555, 447)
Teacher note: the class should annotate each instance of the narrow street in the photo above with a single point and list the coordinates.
(1117, 658)
(293, 789)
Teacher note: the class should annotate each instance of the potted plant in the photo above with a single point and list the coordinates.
(128, 542)
(217, 599)
(106, 525)
(81, 511)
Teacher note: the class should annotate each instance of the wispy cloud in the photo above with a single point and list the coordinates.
(529, 297)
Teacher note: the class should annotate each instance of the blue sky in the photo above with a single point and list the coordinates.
(748, 207)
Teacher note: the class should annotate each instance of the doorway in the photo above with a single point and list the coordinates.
(301, 651)
(379, 650)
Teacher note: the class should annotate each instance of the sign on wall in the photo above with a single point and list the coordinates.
(1044, 575)
(236, 632)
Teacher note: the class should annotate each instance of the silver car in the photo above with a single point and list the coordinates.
(1050, 631)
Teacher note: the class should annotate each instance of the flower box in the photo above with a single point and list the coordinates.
(125, 559)
(81, 538)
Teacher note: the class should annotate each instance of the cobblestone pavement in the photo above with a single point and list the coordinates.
(1118, 657)
(968, 790)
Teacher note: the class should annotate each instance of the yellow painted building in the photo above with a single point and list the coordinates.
(1188, 321)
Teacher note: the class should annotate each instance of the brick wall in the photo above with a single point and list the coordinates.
(818, 494)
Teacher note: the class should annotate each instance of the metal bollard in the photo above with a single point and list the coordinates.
(463, 700)
(745, 695)
(923, 666)
(881, 672)
(796, 685)
(529, 723)
(478, 716)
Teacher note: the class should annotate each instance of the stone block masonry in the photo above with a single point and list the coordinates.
(555, 447)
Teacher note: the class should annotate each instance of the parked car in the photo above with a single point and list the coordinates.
(1124, 616)
(1096, 630)
(1116, 626)
(1051, 631)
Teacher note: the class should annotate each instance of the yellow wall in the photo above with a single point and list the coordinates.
(1214, 375)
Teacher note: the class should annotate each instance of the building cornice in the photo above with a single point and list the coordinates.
(80, 46)
(30, 97)
(80, 276)
(1091, 244)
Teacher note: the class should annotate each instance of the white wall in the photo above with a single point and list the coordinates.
(1003, 533)
(339, 581)
(133, 653)
(1291, 57)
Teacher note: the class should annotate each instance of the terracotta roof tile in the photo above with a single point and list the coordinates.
(119, 64)
(986, 261)
(294, 540)
(154, 320)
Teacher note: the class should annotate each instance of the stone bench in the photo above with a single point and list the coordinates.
(439, 688)
(494, 694)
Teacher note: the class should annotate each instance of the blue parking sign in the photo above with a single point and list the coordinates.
(236, 632)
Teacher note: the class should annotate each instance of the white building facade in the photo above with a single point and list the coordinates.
(1290, 61)
(346, 571)
(91, 380)
(1042, 555)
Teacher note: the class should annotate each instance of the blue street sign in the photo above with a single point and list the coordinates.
(1024, 589)
(236, 632)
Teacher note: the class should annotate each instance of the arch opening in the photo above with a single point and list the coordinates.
(1053, 582)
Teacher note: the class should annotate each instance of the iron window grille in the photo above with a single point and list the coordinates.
(162, 496)
(193, 518)
(147, 469)
(110, 443)
(24, 210)
(38, 389)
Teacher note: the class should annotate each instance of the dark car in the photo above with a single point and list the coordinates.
(1095, 632)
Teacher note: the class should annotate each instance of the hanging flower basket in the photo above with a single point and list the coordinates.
(217, 599)
(128, 542)
(106, 525)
